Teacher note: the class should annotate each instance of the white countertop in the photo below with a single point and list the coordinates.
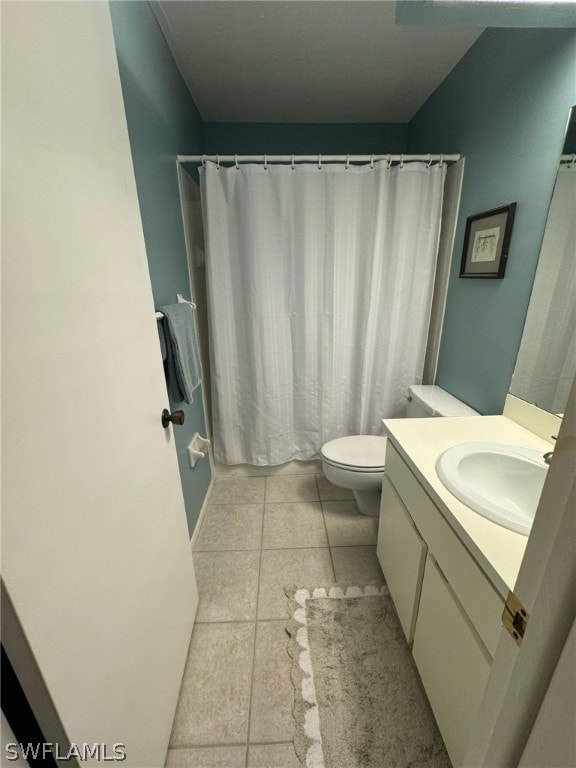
(497, 550)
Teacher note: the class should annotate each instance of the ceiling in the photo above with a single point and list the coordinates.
(344, 61)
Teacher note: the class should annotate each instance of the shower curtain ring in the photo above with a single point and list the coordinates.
(217, 162)
(293, 162)
(347, 161)
(237, 163)
(389, 163)
(429, 161)
(319, 162)
(401, 161)
(441, 160)
(265, 162)
(372, 162)
(203, 161)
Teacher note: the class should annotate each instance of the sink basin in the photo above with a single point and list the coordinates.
(500, 482)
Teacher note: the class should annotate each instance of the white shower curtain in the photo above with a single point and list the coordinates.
(546, 359)
(319, 290)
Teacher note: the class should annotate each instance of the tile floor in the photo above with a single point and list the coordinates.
(258, 535)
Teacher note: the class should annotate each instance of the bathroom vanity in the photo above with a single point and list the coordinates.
(449, 570)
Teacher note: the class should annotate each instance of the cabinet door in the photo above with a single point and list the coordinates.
(452, 661)
(402, 554)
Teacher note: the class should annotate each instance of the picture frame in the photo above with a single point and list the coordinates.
(487, 242)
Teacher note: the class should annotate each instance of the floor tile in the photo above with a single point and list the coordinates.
(291, 488)
(206, 757)
(231, 526)
(273, 756)
(238, 490)
(272, 691)
(329, 492)
(286, 567)
(227, 585)
(288, 526)
(347, 526)
(214, 697)
(356, 565)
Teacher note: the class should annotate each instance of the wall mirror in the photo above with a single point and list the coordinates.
(546, 362)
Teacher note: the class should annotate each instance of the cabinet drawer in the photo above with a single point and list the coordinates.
(476, 594)
(402, 554)
(452, 661)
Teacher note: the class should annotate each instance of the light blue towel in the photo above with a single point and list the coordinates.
(183, 368)
(161, 337)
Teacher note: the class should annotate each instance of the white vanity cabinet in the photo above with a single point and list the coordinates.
(446, 605)
(452, 661)
(403, 550)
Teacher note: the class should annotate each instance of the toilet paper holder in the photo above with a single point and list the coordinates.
(198, 449)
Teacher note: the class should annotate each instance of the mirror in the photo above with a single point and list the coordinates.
(546, 362)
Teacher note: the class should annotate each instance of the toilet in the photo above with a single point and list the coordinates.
(357, 462)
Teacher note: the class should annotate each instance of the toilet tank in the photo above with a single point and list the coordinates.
(427, 400)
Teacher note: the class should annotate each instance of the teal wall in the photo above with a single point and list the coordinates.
(304, 138)
(543, 13)
(162, 122)
(504, 107)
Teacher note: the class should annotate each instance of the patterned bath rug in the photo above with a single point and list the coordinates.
(358, 701)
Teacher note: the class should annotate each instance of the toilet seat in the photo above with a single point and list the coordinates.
(356, 453)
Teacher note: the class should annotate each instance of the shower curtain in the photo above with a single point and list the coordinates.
(546, 359)
(319, 290)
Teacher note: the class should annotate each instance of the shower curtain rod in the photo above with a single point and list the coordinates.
(319, 159)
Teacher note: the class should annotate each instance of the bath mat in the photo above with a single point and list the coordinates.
(358, 702)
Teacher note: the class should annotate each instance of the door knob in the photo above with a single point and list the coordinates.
(176, 417)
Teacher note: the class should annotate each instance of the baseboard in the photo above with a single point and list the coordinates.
(313, 467)
(203, 509)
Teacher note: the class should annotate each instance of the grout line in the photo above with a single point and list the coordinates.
(268, 743)
(236, 503)
(276, 502)
(327, 536)
(269, 621)
(244, 621)
(271, 549)
(283, 549)
(225, 621)
(210, 746)
(237, 549)
(254, 645)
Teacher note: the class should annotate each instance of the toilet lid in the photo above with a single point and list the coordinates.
(367, 451)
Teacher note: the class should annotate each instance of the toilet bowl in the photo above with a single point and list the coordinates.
(357, 462)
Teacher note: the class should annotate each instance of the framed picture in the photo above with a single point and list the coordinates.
(486, 243)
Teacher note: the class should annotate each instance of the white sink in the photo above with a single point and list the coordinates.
(501, 482)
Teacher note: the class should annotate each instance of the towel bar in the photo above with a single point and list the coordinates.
(181, 300)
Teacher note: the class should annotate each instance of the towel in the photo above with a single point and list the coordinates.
(161, 337)
(183, 369)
